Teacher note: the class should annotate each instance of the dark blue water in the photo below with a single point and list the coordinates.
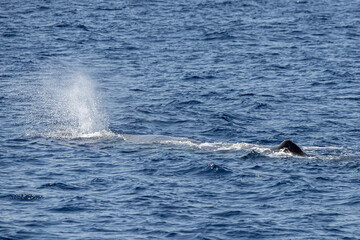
(154, 119)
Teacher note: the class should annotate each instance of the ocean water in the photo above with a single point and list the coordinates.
(154, 119)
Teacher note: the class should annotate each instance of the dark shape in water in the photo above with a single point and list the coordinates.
(289, 146)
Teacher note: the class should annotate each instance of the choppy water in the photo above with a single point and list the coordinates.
(154, 119)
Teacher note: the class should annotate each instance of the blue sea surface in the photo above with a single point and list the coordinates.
(155, 119)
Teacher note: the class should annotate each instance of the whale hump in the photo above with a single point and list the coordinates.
(290, 146)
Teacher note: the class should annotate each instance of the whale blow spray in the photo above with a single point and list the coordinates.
(69, 107)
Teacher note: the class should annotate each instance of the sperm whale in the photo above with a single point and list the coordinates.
(287, 145)
(290, 146)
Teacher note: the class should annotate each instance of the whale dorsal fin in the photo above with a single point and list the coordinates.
(290, 146)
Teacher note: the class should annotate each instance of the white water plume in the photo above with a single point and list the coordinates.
(69, 107)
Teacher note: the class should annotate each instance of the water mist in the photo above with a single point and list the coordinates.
(68, 106)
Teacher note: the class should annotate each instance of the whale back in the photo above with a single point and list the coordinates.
(290, 146)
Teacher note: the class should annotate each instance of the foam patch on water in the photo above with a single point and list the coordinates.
(67, 105)
(77, 135)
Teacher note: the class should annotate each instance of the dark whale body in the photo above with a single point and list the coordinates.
(287, 145)
(291, 147)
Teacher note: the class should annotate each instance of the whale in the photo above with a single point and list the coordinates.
(287, 146)
(291, 147)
